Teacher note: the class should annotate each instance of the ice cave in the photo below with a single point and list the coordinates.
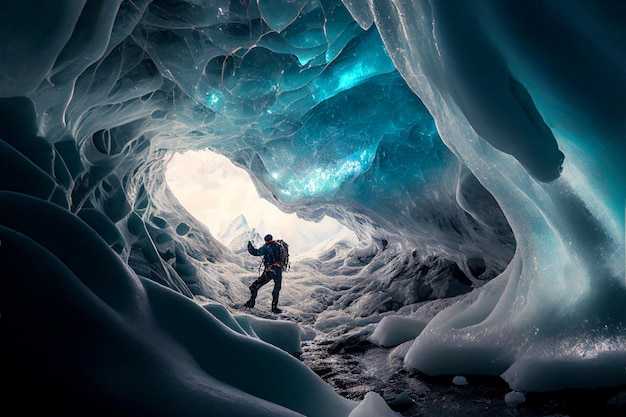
(476, 150)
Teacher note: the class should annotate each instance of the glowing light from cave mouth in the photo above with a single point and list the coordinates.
(216, 192)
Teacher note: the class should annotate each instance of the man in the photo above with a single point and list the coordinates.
(272, 271)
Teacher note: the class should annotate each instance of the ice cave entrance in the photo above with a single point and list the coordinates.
(217, 193)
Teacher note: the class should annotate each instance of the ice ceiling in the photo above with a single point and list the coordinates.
(482, 131)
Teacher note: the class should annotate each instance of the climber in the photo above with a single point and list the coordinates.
(273, 270)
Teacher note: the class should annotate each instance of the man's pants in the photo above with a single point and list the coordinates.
(268, 275)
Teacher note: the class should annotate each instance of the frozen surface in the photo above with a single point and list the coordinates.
(547, 305)
(476, 151)
(395, 330)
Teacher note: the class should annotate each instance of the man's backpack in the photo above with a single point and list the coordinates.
(283, 255)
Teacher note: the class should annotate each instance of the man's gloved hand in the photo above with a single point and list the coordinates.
(249, 243)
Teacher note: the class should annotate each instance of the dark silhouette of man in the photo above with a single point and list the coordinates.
(272, 270)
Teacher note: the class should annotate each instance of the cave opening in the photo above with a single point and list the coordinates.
(222, 196)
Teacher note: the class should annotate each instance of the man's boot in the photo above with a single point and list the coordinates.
(250, 302)
(275, 308)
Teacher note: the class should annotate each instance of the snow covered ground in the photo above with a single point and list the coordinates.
(324, 325)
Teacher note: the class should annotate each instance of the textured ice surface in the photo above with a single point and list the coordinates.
(490, 83)
(483, 139)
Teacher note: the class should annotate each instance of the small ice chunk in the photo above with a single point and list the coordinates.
(514, 398)
(373, 405)
(459, 380)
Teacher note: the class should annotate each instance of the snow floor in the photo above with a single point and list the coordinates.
(359, 368)
(336, 346)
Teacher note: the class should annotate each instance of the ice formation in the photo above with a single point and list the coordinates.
(474, 138)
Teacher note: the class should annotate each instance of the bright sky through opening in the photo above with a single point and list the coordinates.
(216, 192)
